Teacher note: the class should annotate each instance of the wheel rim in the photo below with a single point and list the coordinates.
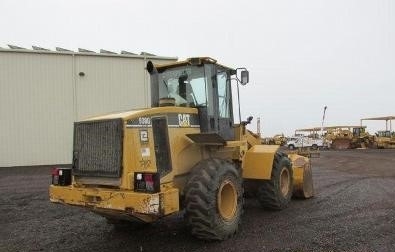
(227, 200)
(284, 181)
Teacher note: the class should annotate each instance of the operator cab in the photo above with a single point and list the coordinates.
(383, 133)
(358, 131)
(199, 83)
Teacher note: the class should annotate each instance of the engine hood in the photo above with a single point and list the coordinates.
(132, 114)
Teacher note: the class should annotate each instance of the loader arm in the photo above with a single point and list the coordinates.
(252, 138)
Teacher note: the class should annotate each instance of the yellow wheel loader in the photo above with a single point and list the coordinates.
(184, 153)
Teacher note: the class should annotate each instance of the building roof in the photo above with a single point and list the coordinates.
(81, 51)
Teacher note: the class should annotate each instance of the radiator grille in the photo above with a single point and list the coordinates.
(98, 148)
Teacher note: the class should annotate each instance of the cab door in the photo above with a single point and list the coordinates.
(224, 104)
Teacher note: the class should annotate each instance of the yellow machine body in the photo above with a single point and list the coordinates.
(142, 152)
(258, 161)
(385, 142)
(138, 156)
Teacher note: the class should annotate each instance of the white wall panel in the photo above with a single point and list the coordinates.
(42, 94)
(109, 84)
(36, 108)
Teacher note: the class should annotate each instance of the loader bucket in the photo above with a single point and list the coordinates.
(302, 177)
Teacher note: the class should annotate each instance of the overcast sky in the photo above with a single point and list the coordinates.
(302, 55)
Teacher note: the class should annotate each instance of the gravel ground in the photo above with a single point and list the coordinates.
(353, 210)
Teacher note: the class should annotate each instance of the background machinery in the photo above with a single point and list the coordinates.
(278, 139)
(348, 137)
(341, 137)
(385, 139)
(183, 153)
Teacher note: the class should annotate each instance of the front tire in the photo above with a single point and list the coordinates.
(275, 194)
(214, 200)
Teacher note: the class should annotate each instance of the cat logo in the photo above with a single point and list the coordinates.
(184, 120)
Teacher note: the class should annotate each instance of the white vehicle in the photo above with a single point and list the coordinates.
(301, 142)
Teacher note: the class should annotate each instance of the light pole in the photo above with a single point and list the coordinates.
(322, 123)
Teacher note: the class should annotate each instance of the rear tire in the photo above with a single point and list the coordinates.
(275, 194)
(214, 200)
(291, 147)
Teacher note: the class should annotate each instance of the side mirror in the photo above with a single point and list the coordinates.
(150, 67)
(249, 119)
(244, 77)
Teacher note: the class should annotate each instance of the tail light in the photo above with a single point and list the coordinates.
(146, 182)
(61, 176)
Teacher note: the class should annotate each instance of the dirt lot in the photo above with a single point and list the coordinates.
(353, 210)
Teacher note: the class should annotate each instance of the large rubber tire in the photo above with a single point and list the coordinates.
(276, 193)
(214, 200)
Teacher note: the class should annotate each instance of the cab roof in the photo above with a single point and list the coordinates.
(197, 61)
(386, 118)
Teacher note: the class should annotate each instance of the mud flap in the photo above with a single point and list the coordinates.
(303, 177)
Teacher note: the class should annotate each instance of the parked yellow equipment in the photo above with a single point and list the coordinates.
(348, 137)
(183, 153)
(385, 139)
(362, 138)
(278, 139)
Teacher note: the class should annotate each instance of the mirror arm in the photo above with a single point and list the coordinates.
(238, 95)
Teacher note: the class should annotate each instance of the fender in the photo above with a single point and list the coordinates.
(258, 161)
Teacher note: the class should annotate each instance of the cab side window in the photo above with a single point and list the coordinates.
(223, 95)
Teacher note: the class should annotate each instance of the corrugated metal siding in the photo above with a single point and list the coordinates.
(42, 94)
(109, 84)
(36, 109)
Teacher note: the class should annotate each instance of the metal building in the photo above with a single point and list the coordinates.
(43, 92)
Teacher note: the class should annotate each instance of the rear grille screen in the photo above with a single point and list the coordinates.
(98, 148)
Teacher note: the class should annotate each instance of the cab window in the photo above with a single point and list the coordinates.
(223, 94)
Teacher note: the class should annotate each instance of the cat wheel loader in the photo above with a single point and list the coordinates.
(183, 154)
